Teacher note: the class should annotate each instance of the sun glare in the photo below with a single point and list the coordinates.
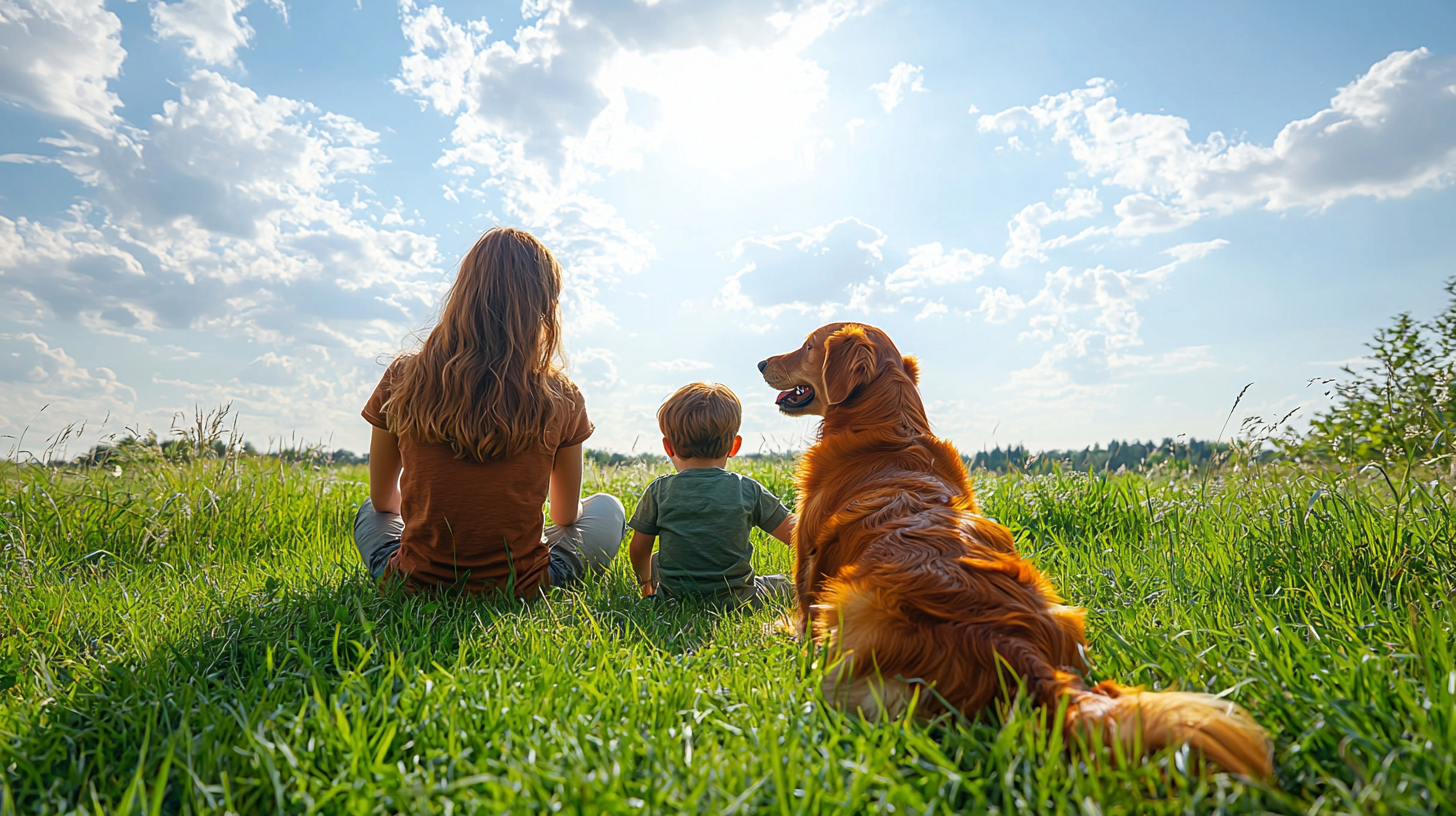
(727, 112)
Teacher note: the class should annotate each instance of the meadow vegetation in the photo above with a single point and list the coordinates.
(189, 631)
(197, 637)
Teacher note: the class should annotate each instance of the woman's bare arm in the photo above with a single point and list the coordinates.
(384, 469)
(565, 492)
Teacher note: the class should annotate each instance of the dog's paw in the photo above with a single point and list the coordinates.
(784, 625)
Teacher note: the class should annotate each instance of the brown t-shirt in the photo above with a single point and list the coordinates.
(470, 522)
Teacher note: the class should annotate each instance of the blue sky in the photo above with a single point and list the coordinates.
(1089, 223)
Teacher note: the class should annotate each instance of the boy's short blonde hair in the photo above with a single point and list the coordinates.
(700, 420)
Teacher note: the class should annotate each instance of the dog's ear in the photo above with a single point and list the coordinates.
(912, 367)
(849, 362)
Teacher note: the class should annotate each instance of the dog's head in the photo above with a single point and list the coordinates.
(835, 363)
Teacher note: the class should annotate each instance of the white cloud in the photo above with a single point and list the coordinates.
(1024, 241)
(930, 264)
(1140, 214)
(1087, 366)
(596, 367)
(28, 358)
(44, 386)
(546, 113)
(57, 57)
(1387, 134)
(852, 126)
(997, 305)
(822, 271)
(1177, 361)
(724, 111)
(680, 364)
(903, 77)
(1080, 363)
(829, 272)
(305, 386)
(211, 31)
(223, 217)
(1183, 253)
(932, 308)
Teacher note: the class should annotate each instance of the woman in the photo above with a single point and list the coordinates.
(485, 426)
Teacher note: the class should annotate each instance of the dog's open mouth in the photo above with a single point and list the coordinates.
(795, 398)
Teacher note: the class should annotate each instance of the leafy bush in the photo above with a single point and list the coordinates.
(1399, 407)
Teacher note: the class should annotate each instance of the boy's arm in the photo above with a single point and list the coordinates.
(785, 530)
(639, 549)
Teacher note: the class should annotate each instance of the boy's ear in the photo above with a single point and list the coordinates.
(667, 446)
(849, 362)
(737, 443)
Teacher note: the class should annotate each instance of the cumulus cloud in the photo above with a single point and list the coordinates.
(1387, 134)
(1025, 242)
(1177, 361)
(58, 56)
(930, 264)
(1083, 359)
(211, 31)
(824, 272)
(545, 113)
(307, 384)
(1140, 214)
(596, 367)
(931, 309)
(831, 272)
(38, 377)
(997, 305)
(903, 77)
(680, 364)
(224, 218)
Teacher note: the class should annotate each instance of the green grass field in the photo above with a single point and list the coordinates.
(198, 638)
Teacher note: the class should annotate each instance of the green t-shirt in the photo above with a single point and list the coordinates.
(702, 518)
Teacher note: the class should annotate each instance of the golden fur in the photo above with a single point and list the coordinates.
(909, 586)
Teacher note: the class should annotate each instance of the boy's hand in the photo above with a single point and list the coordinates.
(639, 549)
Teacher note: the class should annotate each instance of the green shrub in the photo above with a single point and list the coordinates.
(1399, 406)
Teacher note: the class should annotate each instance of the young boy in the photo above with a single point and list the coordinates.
(703, 513)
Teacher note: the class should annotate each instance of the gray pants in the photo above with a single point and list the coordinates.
(589, 544)
(764, 588)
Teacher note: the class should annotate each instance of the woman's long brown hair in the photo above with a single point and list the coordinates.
(487, 380)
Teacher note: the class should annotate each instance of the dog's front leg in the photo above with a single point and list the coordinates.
(796, 624)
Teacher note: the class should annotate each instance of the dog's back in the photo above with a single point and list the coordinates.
(919, 596)
(912, 574)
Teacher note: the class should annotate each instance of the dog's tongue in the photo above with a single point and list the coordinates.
(783, 395)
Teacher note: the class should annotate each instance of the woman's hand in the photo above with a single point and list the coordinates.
(384, 470)
(565, 492)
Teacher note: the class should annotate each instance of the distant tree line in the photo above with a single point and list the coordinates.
(603, 459)
(137, 449)
(1135, 455)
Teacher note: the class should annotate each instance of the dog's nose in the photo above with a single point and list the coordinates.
(762, 364)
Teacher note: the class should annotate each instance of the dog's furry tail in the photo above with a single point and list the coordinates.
(1141, 722)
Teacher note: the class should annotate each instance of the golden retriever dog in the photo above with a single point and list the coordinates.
(918, 595)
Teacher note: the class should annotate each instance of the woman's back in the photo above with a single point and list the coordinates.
(473, 523)
(475, 430)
